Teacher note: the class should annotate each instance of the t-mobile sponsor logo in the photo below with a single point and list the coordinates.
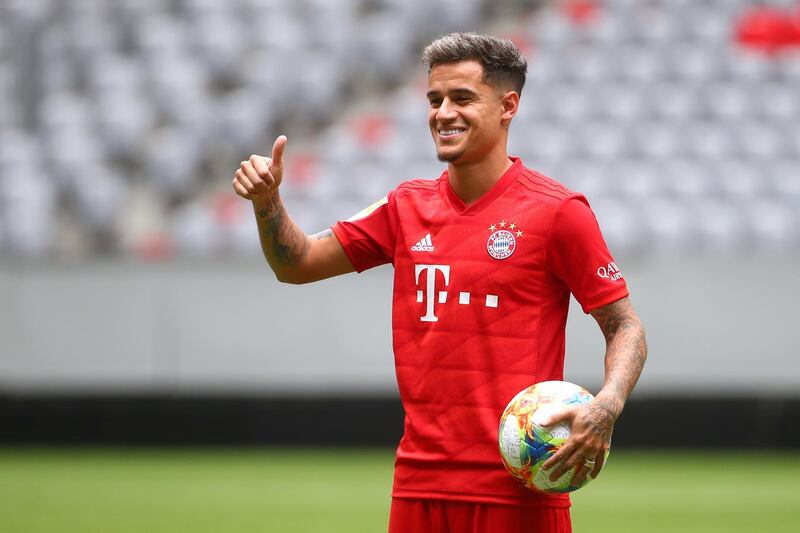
(430, 296)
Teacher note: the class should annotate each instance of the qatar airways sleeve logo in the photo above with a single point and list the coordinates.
(610, 271)
(430, 296)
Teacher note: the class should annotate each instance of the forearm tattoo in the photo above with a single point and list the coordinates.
(283, 242)
(626, 351)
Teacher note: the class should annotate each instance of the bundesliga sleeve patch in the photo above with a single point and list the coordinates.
(369, 210)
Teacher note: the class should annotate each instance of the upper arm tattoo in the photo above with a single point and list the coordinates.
(615, 316)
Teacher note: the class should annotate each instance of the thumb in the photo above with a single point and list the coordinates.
(277, 150)
(550, 417)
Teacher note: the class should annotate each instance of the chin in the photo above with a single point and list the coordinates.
(448, 157)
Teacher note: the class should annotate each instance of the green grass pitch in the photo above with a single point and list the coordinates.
(325, 490)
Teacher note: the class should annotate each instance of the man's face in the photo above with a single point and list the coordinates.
(466, 116)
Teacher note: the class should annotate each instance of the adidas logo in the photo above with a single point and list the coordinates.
(424, 245)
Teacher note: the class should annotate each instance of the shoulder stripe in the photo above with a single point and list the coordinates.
(369, 210)
(545, 185)
(420, 184)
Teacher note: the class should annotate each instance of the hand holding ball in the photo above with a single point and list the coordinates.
(526, 443)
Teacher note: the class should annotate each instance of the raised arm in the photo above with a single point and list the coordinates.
(294, 256)
(592, 424)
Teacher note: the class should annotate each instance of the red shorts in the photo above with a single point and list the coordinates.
(440, 516)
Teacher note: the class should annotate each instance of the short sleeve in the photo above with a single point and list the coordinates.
(369, 237)
(577, 256)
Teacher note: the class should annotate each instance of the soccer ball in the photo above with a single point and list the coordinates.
(525, 445)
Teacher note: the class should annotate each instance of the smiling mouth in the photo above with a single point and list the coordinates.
(449, 133)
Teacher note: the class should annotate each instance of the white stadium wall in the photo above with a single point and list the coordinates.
(716, 327)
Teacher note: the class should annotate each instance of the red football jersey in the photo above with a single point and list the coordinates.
(481, 294)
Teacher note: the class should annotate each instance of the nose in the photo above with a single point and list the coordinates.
(446, 111)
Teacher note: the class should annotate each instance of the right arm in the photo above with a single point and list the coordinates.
(294, 256)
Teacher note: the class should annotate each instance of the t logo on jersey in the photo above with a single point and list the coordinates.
(429, 295)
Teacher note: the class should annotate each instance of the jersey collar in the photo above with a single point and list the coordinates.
(458, 205)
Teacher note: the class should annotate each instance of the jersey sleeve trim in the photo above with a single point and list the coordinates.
(344, 241)
(609, 297)
(368, 237)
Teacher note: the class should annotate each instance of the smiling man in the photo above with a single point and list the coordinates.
(485, 258)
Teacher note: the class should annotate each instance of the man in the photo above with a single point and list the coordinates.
(485, 260)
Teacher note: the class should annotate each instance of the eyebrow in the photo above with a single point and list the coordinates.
(459, 90)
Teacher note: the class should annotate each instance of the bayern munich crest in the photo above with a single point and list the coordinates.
(502, 242)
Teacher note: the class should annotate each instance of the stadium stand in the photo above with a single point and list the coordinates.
(121, 122)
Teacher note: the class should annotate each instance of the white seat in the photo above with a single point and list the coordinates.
(720, 224)
(241, 119)
(728, 100)
(637, 179)
(27, 209)
(601, 139)
(590, 177)
(686, 179)
(674, 101)
(549, 141)
(657, 139)
(70, 150)
(783, 177)
(620, 223)
(708, 22)
(707, 139)
(692, 63)
(789, 67)
(746, 66)
(26, 11)
(584, 65)
(221, 44)
(158, 34)
(619, 102)
(653, 24)
(761, 140)
(738, 179)
(115, 72)
(126, 120)
(568, 102)
(18, 148)
(670, 226)
(639, 64)
(98, 192)
(171, 158)
(778, 102)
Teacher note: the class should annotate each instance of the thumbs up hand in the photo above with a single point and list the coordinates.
(258, 178)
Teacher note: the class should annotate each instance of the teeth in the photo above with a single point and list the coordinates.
(450, 132)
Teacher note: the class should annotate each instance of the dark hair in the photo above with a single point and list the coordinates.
(503, 64)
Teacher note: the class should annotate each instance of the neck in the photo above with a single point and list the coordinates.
(472, 180)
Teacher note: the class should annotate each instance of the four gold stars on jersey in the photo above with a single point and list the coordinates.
(503, 225)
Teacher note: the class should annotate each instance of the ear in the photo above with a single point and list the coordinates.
(510, 105)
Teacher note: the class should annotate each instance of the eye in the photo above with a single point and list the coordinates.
(435, 102)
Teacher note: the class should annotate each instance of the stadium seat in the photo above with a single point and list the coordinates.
(658, 109)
